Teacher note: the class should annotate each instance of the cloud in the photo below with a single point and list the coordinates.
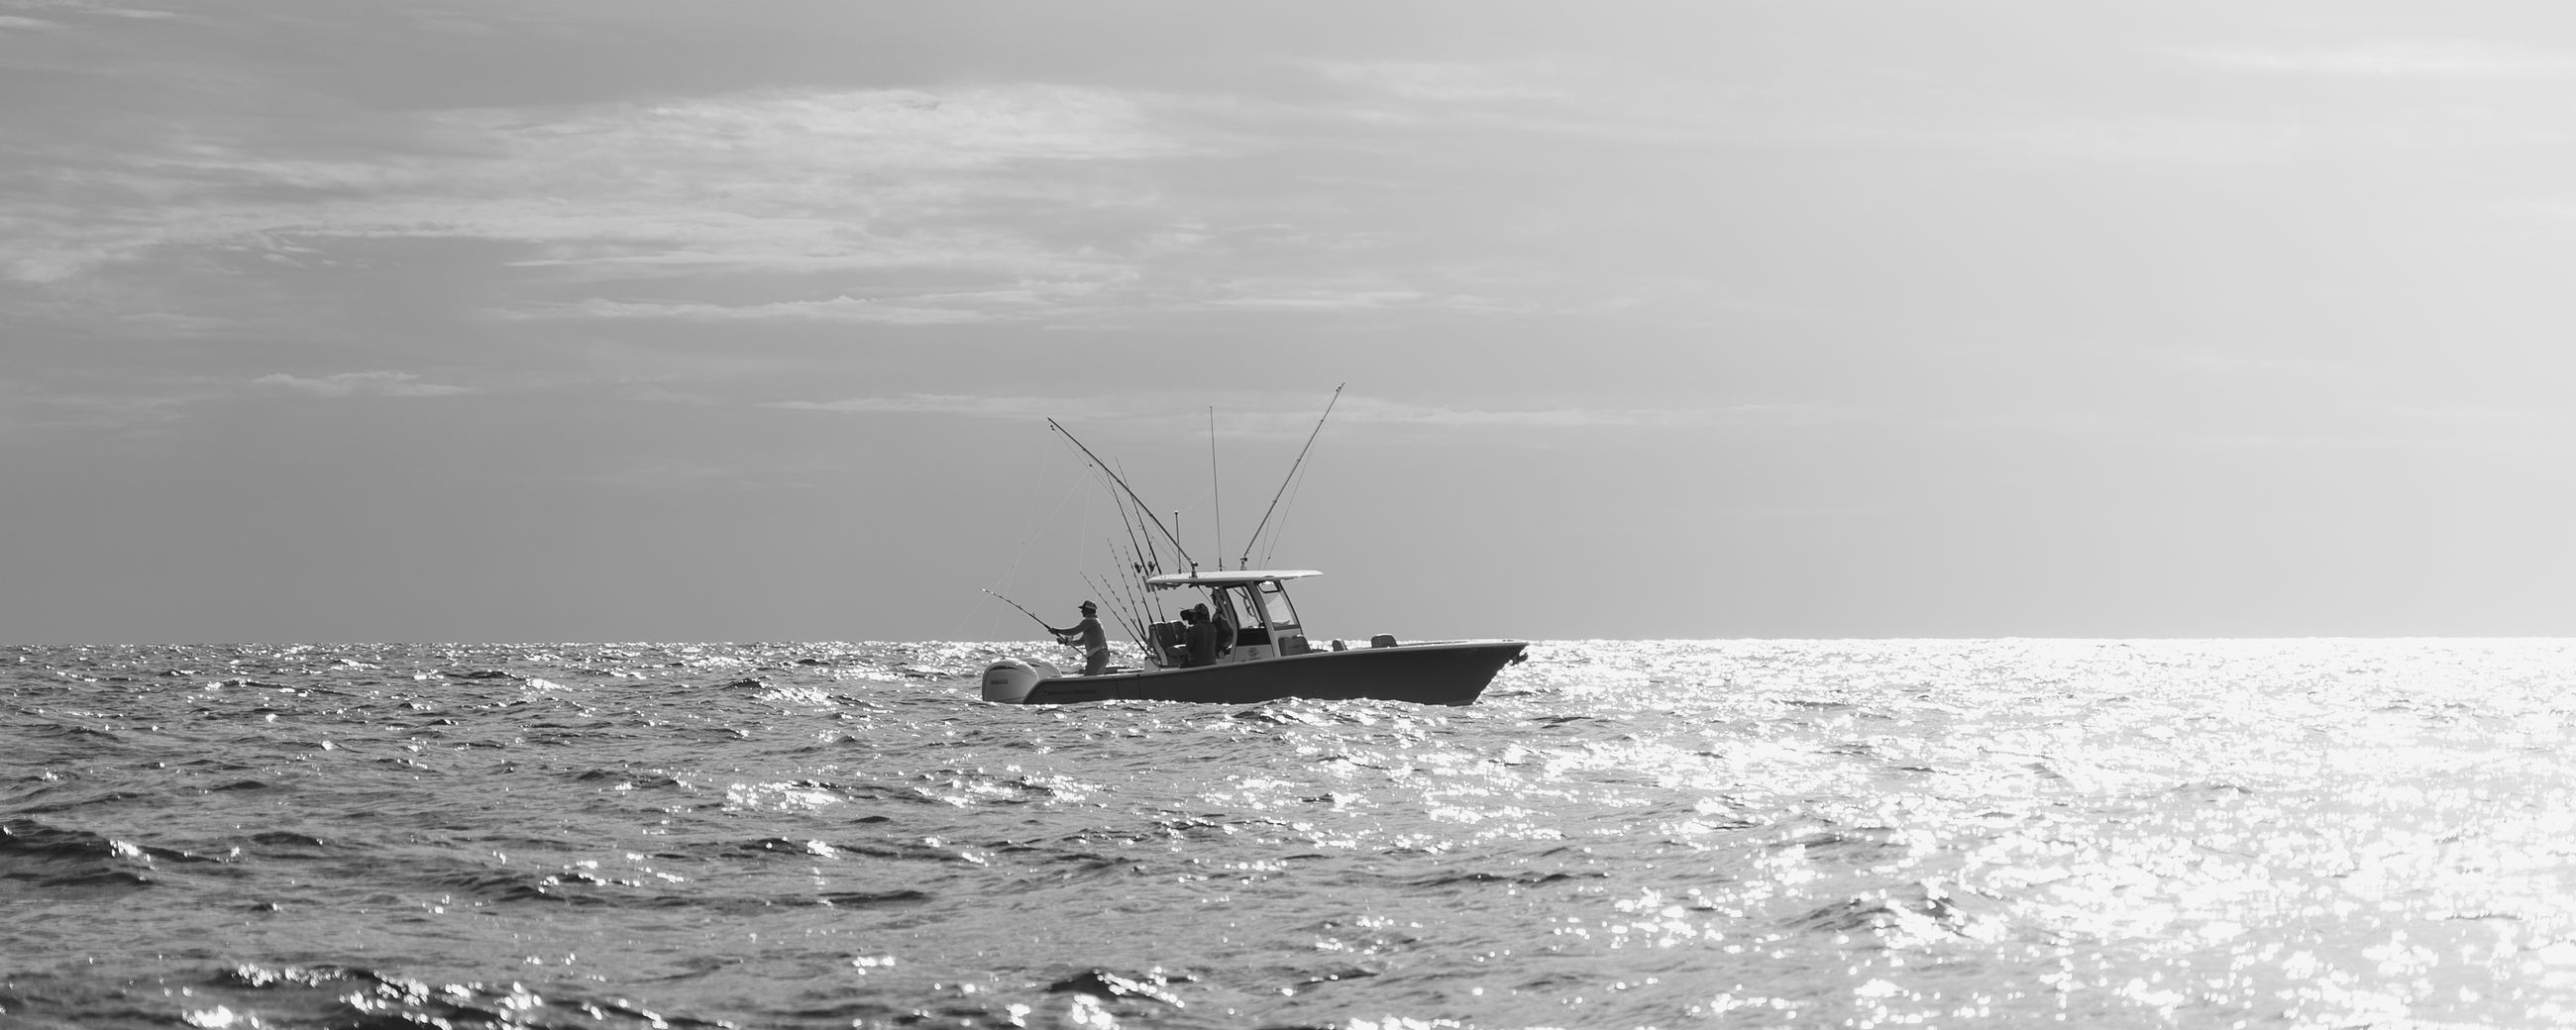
(914, 309)
(2394, 60)
(1602, 103)
(655, 393)
(26, 405)
(870, 178)
(1280, 415)
(969, 202)
(351, 384)
(1357, 298)
(1448, 82)
(1368, 410)
(2225, 363)
(89, 7)
(955, 404)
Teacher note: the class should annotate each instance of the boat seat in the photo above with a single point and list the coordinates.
(1171, 639)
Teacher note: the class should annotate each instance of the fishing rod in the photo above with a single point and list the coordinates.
(1216, 491)
(1126, 619)
(1140, 540)
(1292, 472)
(1148, 599)
(1126, 519)
(1131, 608)
(1023, 610)
(1141, 507)
(1145, 564)
(1148, 606)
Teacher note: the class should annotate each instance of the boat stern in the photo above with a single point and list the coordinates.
(1010, 680)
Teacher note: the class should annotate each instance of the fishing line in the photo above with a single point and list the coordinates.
(1177, 547)
(1030, 539)
(1296, 475)
(1297, 486)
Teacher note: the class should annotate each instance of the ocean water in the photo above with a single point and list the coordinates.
(2352, 834)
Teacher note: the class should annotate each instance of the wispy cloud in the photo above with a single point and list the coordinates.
(1567, 99)
(964, 404)
(655, 393)
(2230, 364)
(837, 309)
(2500, 426)
(30, 406)
(924, 308)
(998, 201)
(1396, 413)
(89, 7)
(2456, 59)
(353, 384)
(1271, 415)
(1450, 82)
(1355, 297)
(874, 178)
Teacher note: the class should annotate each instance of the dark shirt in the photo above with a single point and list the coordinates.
(1204, 643)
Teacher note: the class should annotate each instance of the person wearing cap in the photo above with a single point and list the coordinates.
(1093, 640)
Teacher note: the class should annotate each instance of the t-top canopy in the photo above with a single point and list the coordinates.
(1236, 578)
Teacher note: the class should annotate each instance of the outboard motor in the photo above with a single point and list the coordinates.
(1009, 681)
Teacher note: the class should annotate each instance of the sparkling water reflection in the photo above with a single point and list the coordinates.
(1799, 833)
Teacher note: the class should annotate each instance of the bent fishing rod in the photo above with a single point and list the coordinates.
(1023, 610)
(1141, 507)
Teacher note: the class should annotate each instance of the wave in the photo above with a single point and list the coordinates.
(360, 998)
(80, 863)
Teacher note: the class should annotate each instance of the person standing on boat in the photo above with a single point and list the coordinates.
(1088, 636)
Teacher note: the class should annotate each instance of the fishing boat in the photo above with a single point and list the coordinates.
(1265, 658)
(1237, 639)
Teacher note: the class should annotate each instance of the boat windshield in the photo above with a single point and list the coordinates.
(1274, 602)
(1227, 608)
(1262, 605)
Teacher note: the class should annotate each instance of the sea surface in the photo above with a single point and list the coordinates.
(2269, 833)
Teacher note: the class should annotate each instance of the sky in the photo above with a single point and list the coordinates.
(603, 320)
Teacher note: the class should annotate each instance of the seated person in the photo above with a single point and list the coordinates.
(1224, 631)
(1201, 637)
